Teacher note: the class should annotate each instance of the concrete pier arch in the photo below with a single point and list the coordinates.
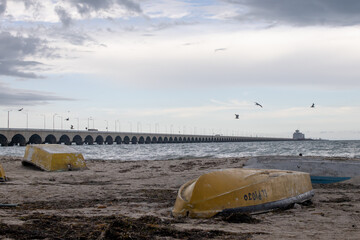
(3, 140)
(89, 140)
(141, 140)
(99, 140)
(65, 140)
(78, 140)
(109, 140)
(118, 140)
(50, 139)
(126, 140)
(18, 139)
(35, 139)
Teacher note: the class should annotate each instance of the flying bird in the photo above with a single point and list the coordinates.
(219, 49)
(236, 116)
(20, 109)
(67, 119)
(313, 105)
(258, 104)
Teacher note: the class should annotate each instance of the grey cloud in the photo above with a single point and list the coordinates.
(13, 51)
(302, 12)
(131, 5)
(15, 68)
(166, 25)
(85, 7)
(32, 5)
(20, 97)
(2, 6)
(29, 3)
(64, 16)
(74, 37)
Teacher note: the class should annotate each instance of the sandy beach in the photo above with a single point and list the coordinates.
(133, 200)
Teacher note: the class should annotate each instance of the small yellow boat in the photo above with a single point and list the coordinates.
(241, 190)
(53, 157)
(2, 174)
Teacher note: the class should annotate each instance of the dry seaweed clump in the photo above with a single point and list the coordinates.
(39, 226)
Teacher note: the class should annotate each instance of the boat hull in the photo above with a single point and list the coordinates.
(2, 174)
(241, 190)
(53, 157)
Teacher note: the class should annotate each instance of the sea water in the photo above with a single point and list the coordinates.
(210, 150)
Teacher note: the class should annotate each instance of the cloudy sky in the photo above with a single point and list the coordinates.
(182, 66)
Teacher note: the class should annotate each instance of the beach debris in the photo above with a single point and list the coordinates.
(319, 213)
(297, 206)
(101, 206)
(53, 157)
(3, 177)
(7, 205)
(240, 190)
(52, 179)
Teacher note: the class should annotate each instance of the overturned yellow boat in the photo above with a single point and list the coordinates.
(241, 190)
(53, 157)
(2, 174)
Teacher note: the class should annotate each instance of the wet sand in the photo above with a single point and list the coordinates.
(133, 200)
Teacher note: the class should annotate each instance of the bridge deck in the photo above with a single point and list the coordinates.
(19, 136)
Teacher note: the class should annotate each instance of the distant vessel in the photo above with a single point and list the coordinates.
(321, 170)
(241, 190)
(297, 135)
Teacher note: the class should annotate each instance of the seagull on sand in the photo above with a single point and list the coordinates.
(236, 116)
(313, 105)
(258, 104)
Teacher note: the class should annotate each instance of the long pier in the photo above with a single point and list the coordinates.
(22, 137)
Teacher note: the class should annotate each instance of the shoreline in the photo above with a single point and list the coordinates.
(134, 198)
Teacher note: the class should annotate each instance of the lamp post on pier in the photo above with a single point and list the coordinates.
(27, 119)
(44, 120)
(61, 117)
(8, 122)
(107, 125)
(77, 123)
(54, 120)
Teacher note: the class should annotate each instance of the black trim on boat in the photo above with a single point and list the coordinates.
(271, 205)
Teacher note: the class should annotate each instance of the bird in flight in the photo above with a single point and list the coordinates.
(219, 49)
(258, 104)
(236, 116)
(67, 119)
(20, 109)
(313, 105)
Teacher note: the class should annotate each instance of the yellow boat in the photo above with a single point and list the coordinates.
(2, 174)
(241, 190)
(54, 157)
